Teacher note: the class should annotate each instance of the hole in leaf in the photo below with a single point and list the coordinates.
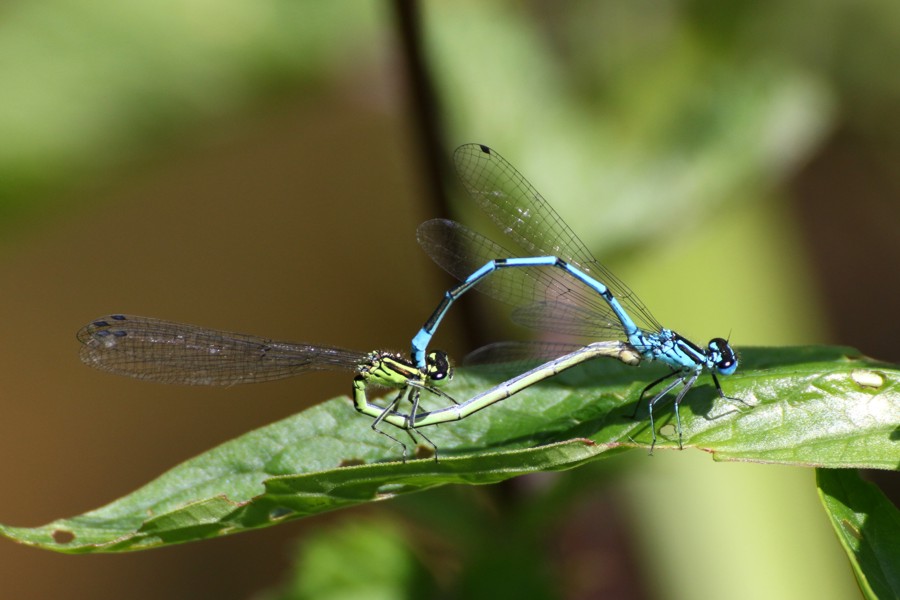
(423, 451)
(61, 536)
(668, 431)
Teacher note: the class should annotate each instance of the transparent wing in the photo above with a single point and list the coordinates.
(461, 251)
(523, 214)
(568, 319)
(518, 352)
(168, 352)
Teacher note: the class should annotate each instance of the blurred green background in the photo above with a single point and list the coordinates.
(258, 166)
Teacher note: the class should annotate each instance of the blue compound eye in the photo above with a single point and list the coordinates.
(726, 359)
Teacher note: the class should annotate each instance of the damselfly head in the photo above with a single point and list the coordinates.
(438, 367)
(723, 356)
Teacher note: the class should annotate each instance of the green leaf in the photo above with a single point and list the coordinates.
(814, 406)
(868, 527)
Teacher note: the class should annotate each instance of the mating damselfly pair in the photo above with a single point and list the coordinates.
(554, 283)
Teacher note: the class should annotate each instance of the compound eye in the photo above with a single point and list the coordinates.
(437, 366)
(726, 362)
